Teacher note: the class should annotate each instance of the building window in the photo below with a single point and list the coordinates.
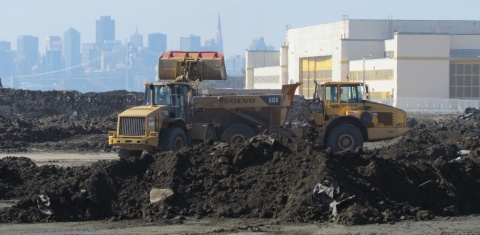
(371, 75)
(464, 79)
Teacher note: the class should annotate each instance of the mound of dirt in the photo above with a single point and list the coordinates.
(38, 120)
(431, 171)
(254, 179)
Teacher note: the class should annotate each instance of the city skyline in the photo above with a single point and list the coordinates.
(242, 21)
(68, 63)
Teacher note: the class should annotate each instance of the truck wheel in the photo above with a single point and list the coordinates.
(345, 136)
(173, 139)
(211, 134)
(237, 133)
(125, 154)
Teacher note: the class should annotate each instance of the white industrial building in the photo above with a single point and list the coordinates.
(397, 58)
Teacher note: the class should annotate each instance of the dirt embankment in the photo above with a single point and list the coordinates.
(422, 175)
(58, 120)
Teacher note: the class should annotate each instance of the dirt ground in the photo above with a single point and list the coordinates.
(430, 175)
(454, 225)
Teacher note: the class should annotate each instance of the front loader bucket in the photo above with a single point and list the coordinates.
(206, 65)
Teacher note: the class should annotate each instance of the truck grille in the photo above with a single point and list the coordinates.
(386, 118)
(132, 126)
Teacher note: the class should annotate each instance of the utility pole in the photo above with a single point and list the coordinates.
(363, 61)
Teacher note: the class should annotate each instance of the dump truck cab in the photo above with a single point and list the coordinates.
(172, 97)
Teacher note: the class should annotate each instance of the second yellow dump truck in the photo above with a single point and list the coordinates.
(174, 116)
(340, 116)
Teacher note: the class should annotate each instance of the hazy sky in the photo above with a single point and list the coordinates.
(242, 20)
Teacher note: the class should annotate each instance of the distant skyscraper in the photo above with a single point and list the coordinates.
(71, 50)
(190, 43)
(210, 45)
(105, 30)
(137, 39)
(52, 60)
(53, 54)
(157, 43)
(27, 54)
(6, 59)
(235, 65)
(54, 43)
(219, 36)
(258, 44)
(90, 56)
(5, 46)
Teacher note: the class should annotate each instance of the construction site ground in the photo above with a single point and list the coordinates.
(427, 181)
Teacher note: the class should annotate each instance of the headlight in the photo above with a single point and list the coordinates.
(166, 113)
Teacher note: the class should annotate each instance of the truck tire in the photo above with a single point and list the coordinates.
(345, 136)
(173, 139)
(125, 154)
(237, 133)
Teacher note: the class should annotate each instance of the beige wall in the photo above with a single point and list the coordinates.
(422, 65)
(267, 78)
(258, 59)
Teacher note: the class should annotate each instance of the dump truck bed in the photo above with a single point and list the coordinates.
(268, 109)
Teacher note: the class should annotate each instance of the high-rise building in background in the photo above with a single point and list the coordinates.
(157, 43)
(258, 44)
(210, 45)
(5, 46)
(136, 39)
(6, 59)
(235, 65)
(90, 56)
(219, 36)
(27, 55)
(54, 43)
(53, 54)
(105, 30)
(190, 43)
(71, 50)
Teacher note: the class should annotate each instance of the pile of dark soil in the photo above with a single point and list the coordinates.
(59, 120)
(431, 171)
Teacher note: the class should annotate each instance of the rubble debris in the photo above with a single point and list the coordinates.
(469, 112)
(263, 138)
(472, 110)
(43, 204)
(329, 193)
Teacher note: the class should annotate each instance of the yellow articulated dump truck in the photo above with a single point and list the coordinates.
(340, 116)
(173, 115)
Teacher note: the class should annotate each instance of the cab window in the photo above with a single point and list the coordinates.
(331, 93)
(162, 95)
(351, 93)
